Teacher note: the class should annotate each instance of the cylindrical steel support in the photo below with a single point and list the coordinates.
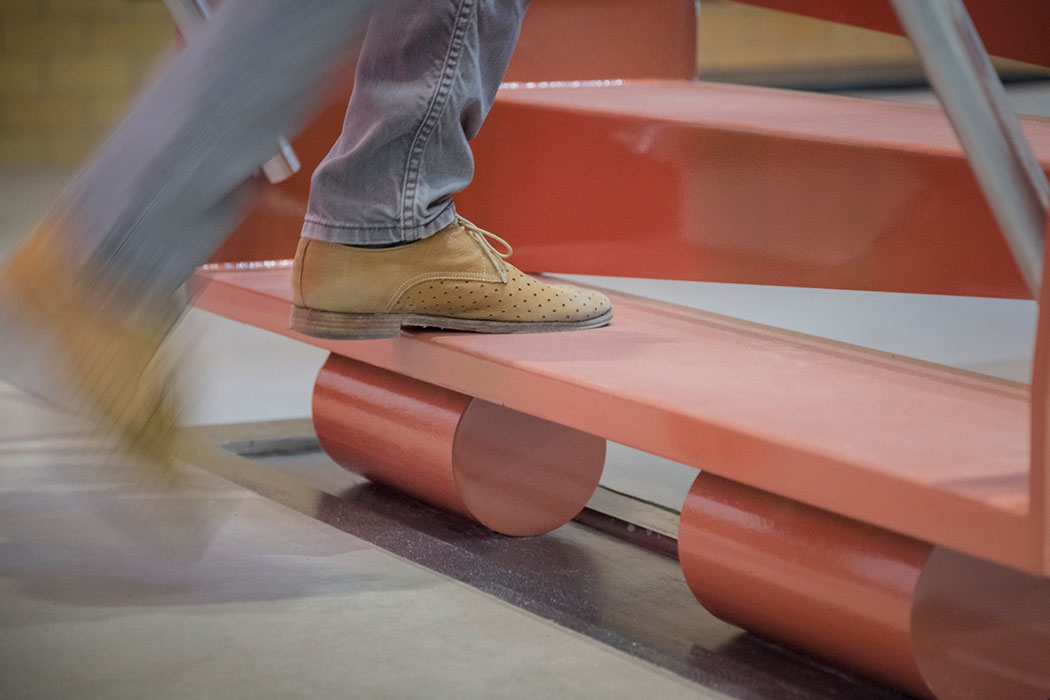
(514, 473)
(837, 588)
(924, 619)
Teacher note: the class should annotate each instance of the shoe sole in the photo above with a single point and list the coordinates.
(346, 326)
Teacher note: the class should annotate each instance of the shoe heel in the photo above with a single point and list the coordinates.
(343, 326)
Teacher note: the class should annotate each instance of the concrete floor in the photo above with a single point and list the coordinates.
(280, 606)
(300, 579)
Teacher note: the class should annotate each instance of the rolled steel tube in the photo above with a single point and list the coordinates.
(514, 473)
(919, 617)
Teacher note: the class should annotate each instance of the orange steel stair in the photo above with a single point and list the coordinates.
(909, 472)
(887, 514)
(718, 183)
(920, 449)
(930, 452)
(726, 183)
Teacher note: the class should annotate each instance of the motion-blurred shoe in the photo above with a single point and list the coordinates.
(455, 279)
(92, 350)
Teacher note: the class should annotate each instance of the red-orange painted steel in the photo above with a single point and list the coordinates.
(1009, 28)
(835, 587)
(601, 39)
(560, 40)
(720, 183)
(462, 454)
(927, 451)
(981, 631)
(739, 184)
(922, 618)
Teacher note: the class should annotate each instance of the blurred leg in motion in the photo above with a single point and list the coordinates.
(164, 191)
(382, 239)
(89, 299)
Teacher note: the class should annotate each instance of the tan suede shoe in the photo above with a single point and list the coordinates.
(454, 280)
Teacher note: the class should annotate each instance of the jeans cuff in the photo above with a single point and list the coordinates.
(349, 234)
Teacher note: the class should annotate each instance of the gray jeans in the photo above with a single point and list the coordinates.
(427, 77)
(166, 188)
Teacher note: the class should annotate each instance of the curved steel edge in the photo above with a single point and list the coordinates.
(514, 473)
(921, 618)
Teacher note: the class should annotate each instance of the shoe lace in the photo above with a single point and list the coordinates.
(484, 239)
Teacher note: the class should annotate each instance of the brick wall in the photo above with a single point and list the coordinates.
(67, 70)
(744, 43)
(736, 39)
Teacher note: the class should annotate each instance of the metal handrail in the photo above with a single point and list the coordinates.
(975, 101)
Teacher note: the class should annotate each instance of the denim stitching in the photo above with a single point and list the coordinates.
(321, 221)
(434, 109)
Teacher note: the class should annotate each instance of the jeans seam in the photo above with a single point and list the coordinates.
(434, 110)
(318, 220)
(321, 221)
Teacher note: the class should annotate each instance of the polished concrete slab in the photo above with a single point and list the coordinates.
(315, 583)
(281, 605)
